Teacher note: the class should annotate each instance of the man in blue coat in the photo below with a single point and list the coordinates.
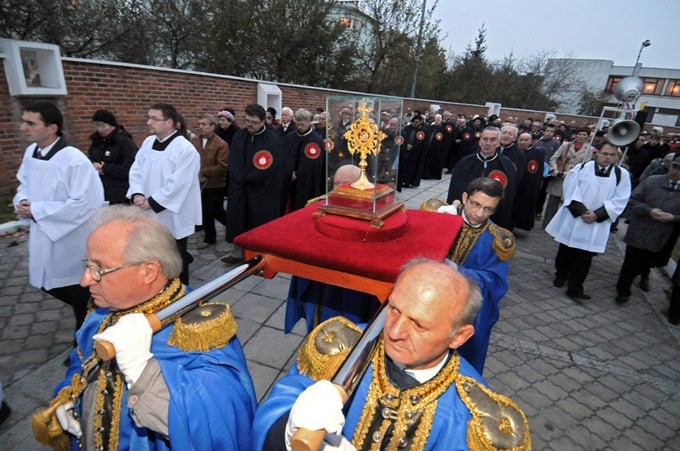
(417, 393)
(482, 252)
(185, 387)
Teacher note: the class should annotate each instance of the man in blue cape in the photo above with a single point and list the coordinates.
(186, 387)
(417, 393)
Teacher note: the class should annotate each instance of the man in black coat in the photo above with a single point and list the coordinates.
(487, 162)
(257, 173)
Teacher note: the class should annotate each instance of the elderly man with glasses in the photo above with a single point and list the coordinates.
(183, 387)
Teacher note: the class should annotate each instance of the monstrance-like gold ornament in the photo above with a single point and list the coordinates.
(364, 137)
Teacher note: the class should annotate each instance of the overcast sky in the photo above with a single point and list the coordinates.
(590, 29)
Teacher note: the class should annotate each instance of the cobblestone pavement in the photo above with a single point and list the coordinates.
(590, 375)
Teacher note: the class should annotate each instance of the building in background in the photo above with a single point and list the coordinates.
(661, 96)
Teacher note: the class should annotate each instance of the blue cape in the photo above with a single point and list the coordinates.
(449, 427)
(212, 399)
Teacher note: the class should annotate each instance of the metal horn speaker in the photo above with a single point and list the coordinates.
(629, 89)
(623, 132)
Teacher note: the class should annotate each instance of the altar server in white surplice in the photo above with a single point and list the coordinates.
(58, 192)
(164, 179)
(595, 194)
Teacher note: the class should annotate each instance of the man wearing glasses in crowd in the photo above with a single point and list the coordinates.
(482, 252)
(164, 179)
(257, 173)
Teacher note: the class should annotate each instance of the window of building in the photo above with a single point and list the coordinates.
(653, 86)
(673, 88)
(346, 22)
(612, 82)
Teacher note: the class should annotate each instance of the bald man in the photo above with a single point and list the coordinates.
(410, 394)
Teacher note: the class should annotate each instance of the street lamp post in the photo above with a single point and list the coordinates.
(645, 43)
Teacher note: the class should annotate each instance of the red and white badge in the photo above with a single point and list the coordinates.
(328, 144)
(263, 159)
(399, 140)
(312, 151)
(466, 136)
(439, 136)
(500, 176)
(532, 166)
(558, 137)
(449, 129)
(420, 136)
(478, 135)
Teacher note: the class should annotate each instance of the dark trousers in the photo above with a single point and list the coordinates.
(635, 263)
(212, 204)
(573, 265)
(186, 260)
(674, 308)
(75, 296)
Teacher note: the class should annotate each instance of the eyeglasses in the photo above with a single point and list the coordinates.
(476, 205)
(97, 273)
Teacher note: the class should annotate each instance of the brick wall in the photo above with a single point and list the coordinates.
(129, 90)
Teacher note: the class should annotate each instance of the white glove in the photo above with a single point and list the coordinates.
(319, 407)
(131, 336)
(67, 420)
(448, 209)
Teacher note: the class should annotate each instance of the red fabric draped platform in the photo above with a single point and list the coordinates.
(295, 237)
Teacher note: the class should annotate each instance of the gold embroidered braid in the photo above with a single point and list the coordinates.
(464, 243)
(42, 419)
(406, 404)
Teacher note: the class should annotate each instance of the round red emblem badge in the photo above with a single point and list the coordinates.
(449, 129)
(466, 136)
(439, 136)
(328, 144)
(263, 159)
(420, 136)
(500, 176)
(312, 151)
(532, 166)
(399, 140)
(478, 134)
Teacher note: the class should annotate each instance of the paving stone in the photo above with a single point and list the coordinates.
(263, 377)
(271, 347)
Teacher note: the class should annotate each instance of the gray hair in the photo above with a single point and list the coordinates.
(148, 240)
(210, 118)
(303, 115)
(289, 110)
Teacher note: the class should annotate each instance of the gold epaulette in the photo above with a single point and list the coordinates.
(326, 347)
(503, 242)
(497, 423)
(209, 326)
(432, 204)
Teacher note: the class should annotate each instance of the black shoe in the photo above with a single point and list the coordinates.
(5, 412)
(559, 282)
(621, 298)
(644, 284)
(674, 320)
(578, 295)
(230, 260)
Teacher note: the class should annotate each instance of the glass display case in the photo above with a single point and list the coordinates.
(363, 138)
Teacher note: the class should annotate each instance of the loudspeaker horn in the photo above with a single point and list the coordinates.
(629, 89)
(623, 132)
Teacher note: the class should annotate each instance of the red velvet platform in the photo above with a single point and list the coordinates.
(292, 244)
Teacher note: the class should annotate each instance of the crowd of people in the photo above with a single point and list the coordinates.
(184, 387)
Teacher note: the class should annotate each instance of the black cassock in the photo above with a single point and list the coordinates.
(411, 161)
(498, 167)
(528, 190)
(307, 157)
(438, 141)
(257, 172)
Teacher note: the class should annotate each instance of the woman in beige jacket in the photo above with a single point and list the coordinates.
(566, 157)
